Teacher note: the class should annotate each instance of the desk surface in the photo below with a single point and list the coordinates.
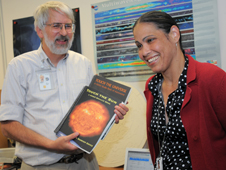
(109, 168)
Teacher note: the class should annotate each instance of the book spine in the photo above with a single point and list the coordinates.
(108, 129)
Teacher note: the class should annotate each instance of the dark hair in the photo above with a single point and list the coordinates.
(161, 20)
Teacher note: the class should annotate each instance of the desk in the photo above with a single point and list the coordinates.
(109, 168)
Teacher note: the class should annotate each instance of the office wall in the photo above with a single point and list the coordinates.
(1, 66)
(14, 9)
(2, 69)
(222, 31)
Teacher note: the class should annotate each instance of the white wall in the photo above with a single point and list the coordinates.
(1, 66)
(2, 61)
(222, 31)
(14, 9)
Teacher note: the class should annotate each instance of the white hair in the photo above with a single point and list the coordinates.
(41, 14)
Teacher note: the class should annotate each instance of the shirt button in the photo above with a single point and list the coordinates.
(61, 84)
(195, 138)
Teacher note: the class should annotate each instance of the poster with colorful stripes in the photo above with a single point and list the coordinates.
(116, 54)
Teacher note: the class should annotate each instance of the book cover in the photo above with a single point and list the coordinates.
(113, 88)
(91, 115)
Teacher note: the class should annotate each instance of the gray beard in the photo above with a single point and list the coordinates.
(55, 48)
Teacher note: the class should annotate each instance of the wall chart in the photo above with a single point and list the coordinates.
(116, 54)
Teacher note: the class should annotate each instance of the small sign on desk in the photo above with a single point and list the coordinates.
(137, 159)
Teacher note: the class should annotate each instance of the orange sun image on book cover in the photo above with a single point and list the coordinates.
(89, 118)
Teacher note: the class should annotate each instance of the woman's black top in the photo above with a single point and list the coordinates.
(175, 150)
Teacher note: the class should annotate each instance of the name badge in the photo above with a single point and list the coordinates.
(45, 81)
(159, 163)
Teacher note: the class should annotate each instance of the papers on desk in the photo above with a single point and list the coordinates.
(7, 155)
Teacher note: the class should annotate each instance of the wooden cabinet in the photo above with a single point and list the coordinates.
(3, 139)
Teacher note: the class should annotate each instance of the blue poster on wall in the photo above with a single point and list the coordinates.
(116, 54)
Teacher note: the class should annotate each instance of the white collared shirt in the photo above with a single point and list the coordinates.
(42, 110)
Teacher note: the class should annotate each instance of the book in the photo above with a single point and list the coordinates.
(91, 115)
(113, 88)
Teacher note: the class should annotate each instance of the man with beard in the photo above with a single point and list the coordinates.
(39, 88)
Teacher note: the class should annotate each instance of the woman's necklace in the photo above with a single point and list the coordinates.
(159, 160)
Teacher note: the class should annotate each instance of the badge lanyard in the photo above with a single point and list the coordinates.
(159, 160)
(44, 77)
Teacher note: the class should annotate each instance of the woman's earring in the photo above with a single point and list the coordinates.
(176, 44)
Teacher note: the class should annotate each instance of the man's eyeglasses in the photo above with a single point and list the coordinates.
(57, 27)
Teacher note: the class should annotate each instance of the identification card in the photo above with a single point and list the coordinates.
(159, 163)
(45, 81)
